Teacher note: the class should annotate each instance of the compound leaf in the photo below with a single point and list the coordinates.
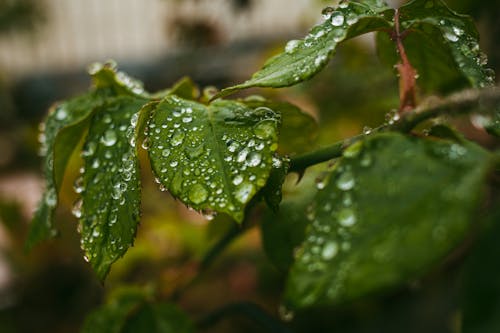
(393, 206)
(110, 186)
(302, 59)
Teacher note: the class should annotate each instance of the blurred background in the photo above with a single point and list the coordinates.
(45, 47)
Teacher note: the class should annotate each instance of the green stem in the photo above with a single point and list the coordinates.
(467, 101)
(254, 312)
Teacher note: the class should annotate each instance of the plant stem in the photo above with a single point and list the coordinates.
(247, 309)
(464, 102)
(407, 74)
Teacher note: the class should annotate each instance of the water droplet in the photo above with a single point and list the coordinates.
(320, 60)
(77, 208)
(94, 68)
(243, 192)
(353, 150)
(109, 138)
(61, 114)
(208, 214)
(198, 194)
(146, 143)
(253, 159)
(187, 119)
(242, 155)
(367, 130)
(51, 197)
(78, 185)
(89, 149)
(285, 314)
(458, 31)
(265, 129)
(337, 19)
(352, 19)
(237, 180)
(346, 181)
(291, 46)
(347, 217)
(165, 152)
(329, 251)
(327, 12)
(450, 36)
(177, 138)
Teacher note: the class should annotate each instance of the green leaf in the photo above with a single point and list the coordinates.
(481, 294)
(159, 318)
(184, 88)
(64, 128)
(215, 157)
(493, 126)
(302, 59)
(112, 316)
(283, 230)
(272, 191)
(110, 186)
(441, 44)
(394, 206)
(130, 309)
(293, 121)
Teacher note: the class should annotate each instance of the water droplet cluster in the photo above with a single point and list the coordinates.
(212, 158)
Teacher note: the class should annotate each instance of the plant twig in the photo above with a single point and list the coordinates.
(407, 73)
(253, 311)
(464, 102)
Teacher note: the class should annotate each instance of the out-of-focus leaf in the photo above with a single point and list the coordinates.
(393, 206)
(215, 157)
(298, 129)
(159, 318)
(481, 298)
(302, 59)
(441, 44)
(184, 88)
(112, 316)
(110, 186)
(493, 126)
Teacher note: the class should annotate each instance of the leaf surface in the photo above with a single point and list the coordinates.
(110, 187)
(393, 206)
(304, 58)
(215, 157)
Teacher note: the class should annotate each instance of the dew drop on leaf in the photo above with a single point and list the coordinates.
(109, 138)
(346, 181)
(329, 251)
(198, 194)
(337, 19)
(347, 217)
(243, 192)
(327, 12)
(253, 159)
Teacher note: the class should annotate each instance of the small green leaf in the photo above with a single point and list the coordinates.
(442, 45)
(215, 157)
(302, 59)
(481, 294)
(110, 187)
(131, 310)
(293, 121)
(112, 316)
(159, 318)
(63, 129)
(272, 191)
(394, 205)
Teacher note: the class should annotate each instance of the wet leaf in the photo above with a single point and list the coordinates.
(272, 192)
(65, 127)
(110, 187)
(215, 157)
(302, 59)
(393, 206)
(442, 45)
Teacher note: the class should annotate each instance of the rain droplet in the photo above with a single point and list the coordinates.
(51, 197)
(243, 192)
(77, 208)
(265, 129)
(109, 138)
(337, 19)
(451, 36)
(78, 185)
(253, 159)
(198, 194)
(187, 119)
(61, 114)
(177, 138)
(329, 251)
(165, 152)
(242, 155)
(458, 31)
(327, 12)
(237, 180)
(347, 217)
(291, 46)
(346, 181)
